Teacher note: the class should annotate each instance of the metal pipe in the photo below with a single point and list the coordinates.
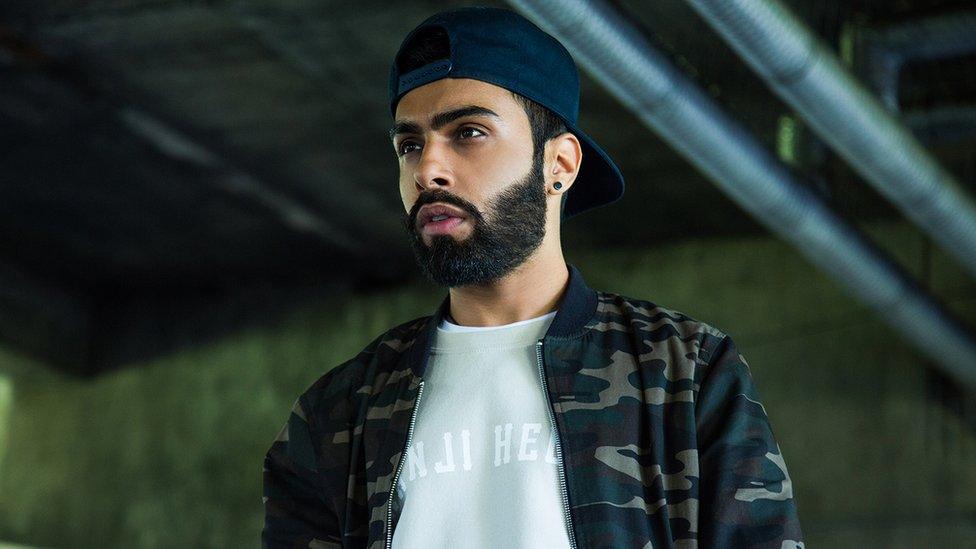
(616, 53)
(803, 71)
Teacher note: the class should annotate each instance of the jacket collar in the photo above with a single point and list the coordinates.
(576, 308)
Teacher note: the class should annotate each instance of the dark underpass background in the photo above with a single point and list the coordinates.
(199, 215)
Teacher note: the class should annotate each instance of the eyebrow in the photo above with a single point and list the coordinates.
(441, 119)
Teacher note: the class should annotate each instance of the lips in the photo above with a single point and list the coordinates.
(430, 211)
(439, 218)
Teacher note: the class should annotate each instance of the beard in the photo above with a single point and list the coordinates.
(499, 242)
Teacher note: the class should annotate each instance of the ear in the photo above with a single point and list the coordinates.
(563, 158)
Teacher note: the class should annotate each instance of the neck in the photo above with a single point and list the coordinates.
(532, 289)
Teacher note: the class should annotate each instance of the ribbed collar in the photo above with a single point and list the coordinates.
(576, 308)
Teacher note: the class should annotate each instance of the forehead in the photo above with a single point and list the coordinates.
(421, 102)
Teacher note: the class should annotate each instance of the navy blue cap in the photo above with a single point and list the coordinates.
(501, 47)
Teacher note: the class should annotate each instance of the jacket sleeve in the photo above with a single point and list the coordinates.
(746, 495)
(296, 513)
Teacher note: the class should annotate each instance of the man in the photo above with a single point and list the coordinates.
(529, 410)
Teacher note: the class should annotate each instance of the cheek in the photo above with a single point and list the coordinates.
(408, 193)
(502, 172)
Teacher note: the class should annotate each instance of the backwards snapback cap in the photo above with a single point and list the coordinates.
(503, 48)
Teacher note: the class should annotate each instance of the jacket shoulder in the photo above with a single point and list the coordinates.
(651, 323)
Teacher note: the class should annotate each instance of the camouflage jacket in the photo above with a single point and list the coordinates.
(662, 440)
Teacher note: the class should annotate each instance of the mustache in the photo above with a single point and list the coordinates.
(438, 195)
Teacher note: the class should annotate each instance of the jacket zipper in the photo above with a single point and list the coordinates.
(396, 474)
(559, 452)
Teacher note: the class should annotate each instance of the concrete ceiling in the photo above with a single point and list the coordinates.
(155, 150)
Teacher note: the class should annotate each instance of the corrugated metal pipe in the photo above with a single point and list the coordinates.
(617, 54)
(803, 71)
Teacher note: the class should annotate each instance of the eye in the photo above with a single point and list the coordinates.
(466, 128)
(402, 150)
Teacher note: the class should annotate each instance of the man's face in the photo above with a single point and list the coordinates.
(474, 195)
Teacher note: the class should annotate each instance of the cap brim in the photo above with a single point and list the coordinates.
(599, 181)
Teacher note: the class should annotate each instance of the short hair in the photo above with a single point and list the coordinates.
(432, 44)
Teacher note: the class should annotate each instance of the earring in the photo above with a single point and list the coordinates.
(557, 185)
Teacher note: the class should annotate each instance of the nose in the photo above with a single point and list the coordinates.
(432, 170)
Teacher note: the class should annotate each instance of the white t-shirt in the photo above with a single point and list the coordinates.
(481, 469)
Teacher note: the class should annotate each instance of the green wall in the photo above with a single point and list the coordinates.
(169, 453)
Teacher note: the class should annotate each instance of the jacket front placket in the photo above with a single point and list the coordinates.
(395, 441)
(548, 389)
(385, 441)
